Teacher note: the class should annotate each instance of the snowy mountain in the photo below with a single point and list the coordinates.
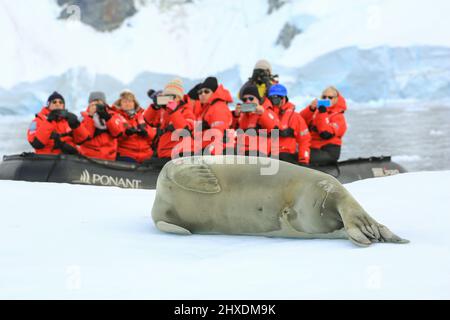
(370, 49)
(83, 242)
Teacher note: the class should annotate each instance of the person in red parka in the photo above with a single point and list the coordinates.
(214, 116)
(255, 125)
(56, 130)
(173, 117)
(104, 127)
(294, 138)
(327, 126)
(135, 145)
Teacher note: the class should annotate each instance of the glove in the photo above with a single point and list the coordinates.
(64, 147)
(55, 136)
(131, 131)
(142, 132)
(71, 118)
(172, 106)
(322, 109)
(102, 113)
(68, 149)
(326, 135)
(54, 115)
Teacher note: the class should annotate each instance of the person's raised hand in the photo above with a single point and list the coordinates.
(259, 109)
(313, 105)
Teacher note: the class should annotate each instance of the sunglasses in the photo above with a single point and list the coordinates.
(275, 97)
(57, 101)
(328, 97)
(204, 91)
(245, 99)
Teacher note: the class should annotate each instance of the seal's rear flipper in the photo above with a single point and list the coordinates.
(172, 228)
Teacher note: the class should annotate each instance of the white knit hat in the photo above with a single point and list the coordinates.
(264, 65)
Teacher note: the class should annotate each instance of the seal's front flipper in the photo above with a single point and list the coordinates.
(388, 236)
(194, 177)
(363, 234)
(172, 228)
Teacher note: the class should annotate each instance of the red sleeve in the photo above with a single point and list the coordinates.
(303, 140)
(88, 123)
(41, 130)
(268, 120)
(80, 134)
(219, 120)
(307, 114)
(221, 117)
(151, 131)
(183, 118)
(151, 116)
(115, 125)
(332, 123)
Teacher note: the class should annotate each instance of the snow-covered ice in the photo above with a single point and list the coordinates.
(74, 242)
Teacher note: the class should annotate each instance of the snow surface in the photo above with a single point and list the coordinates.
(77, 242)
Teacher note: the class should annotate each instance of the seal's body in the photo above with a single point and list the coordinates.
(227, 195)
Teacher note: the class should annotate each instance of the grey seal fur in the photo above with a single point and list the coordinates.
(229, 195)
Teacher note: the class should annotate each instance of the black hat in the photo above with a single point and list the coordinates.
(250, 90)
(193, 94)
(209, 83)
(55, 95)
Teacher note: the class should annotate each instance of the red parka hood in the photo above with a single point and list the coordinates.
(44, 111)
(221, 94)
(287, 106)
(340, 106)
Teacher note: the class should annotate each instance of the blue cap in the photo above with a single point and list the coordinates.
(278, 90)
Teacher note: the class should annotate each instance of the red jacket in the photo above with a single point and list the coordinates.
(172, 126)
(326, 128)
(266, 121)
(103, 141)
(293, 133)
(215, 117)
(40, 131)
(135, 146)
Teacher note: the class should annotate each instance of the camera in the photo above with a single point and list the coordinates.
(248, 107)
(163, 100)
(100, 107)
(324, 103)
(260, 76)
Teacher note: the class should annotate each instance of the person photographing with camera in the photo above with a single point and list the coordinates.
(262, 78)
(214, 115)
(134, 145)
(104, 126)
(173, 118)
(294, 138)
(55, 130)
(256, 120)
(326, 122)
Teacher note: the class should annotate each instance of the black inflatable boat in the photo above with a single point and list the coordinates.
(81, 170)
